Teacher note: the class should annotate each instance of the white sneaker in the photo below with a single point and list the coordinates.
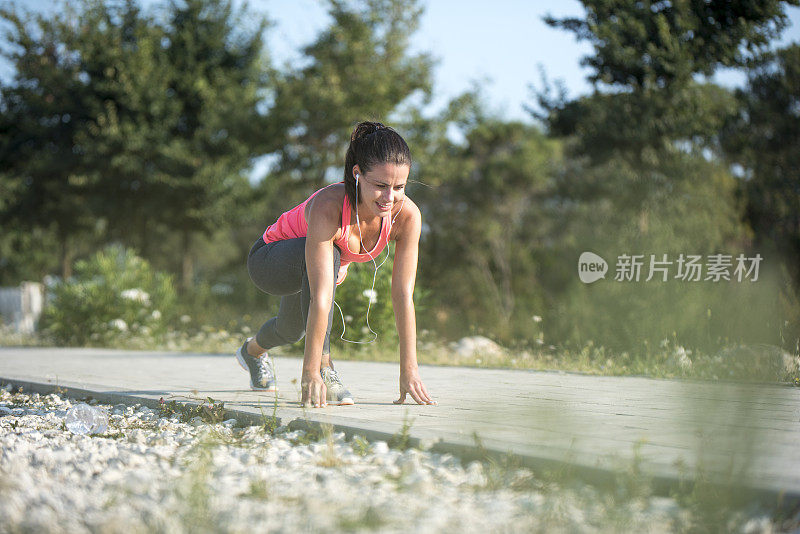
(262, 378)
(337, 393)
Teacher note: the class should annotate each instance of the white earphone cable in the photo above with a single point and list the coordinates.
(374, 275)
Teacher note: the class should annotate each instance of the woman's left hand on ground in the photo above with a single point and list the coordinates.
(411, 384)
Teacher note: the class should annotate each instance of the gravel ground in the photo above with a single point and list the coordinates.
(155, 474)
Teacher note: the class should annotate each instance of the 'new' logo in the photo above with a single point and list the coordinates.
(591, 267)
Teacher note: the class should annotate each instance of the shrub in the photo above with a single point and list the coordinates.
(112, 294)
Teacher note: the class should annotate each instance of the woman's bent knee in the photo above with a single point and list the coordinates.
(291, 337)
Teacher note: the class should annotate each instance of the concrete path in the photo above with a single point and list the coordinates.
(671, 428)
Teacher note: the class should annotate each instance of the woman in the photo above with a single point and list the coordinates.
(310, 246)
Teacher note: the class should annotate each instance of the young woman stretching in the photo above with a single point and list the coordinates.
(309, 247)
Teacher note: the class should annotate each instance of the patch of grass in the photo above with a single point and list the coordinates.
(329, 458)
(189, 339)
(369, 519)
(667, 360)
(210, 412)
(632, 482)
(195, 491)
(716, 501)
(258, 490)
(711, 505)
(9, 337)
(18, 400)
(109, 435)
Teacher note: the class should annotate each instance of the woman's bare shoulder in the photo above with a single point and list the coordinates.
(408, 221)
(411, 209)
(328, 203)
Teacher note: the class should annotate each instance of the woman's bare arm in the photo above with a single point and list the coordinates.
(404, 275)
(323, 222)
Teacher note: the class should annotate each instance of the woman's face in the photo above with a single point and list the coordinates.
(382, 187)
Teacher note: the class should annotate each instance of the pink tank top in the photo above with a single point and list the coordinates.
(292, 224)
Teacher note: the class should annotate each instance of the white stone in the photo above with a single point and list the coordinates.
(380, 447)
(475, 475)
(472, 346)
(137, 436)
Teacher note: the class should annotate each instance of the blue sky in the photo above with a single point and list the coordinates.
(500, 44)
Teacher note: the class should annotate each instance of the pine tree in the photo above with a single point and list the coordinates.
(359, 68)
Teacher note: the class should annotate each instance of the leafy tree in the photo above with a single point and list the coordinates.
(637, 180)
(125, 73)
(141, 126)
(183, 126)
(482, 250)
(26, 254)
(764, 139)
(642, 125)
(43, 111)
(644, 44)
(358, 68)
(648, 54)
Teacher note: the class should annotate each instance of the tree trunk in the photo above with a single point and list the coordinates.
(187, 267)
(66, 257)
(144, 242)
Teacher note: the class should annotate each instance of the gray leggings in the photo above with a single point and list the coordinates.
(279, 268)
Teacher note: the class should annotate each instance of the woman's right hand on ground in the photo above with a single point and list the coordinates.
(314, 393)
(411, 384)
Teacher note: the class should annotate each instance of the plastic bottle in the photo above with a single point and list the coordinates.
(85, 419)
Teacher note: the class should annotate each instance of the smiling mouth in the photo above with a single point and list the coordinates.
(384, 206)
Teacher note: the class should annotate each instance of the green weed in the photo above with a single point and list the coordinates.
(311, 431)
(271, 423)
(361, 445)
(210, 412)
(402, 439)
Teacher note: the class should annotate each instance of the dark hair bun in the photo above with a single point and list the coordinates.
(364, 129)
